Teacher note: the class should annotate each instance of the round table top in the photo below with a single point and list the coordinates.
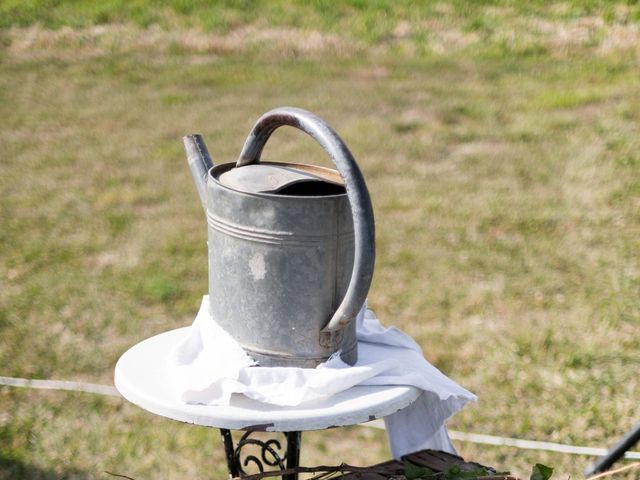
(141, 377)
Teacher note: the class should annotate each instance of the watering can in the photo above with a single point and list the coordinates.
(291, 246)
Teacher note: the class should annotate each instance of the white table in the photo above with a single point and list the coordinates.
(141, 377)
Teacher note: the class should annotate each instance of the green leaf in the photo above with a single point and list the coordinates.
(415, 472)
(541, 472)
(453, 472)
(456, 473)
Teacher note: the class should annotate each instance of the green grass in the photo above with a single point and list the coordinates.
(504, 171)
(371, 20)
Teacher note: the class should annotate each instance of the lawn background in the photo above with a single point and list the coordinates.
(500, 142)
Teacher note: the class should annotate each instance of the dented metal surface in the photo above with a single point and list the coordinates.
(291, 253)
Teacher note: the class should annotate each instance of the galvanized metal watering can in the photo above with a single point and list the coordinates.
(291, 246)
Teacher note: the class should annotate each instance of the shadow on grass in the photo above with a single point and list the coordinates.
(14, 469)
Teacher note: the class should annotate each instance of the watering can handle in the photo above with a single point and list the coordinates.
(361, 209)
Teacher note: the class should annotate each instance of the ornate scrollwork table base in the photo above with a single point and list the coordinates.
(270, 453)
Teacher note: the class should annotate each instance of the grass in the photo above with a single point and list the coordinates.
(500, 146)
(373, 20)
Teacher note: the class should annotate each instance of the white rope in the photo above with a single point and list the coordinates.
(454, 434)
(517, 443)
(534, 445)
(60, 385)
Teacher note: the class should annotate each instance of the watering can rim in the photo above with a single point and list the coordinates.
(214, 173)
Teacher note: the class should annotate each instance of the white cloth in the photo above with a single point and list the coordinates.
(209, 366)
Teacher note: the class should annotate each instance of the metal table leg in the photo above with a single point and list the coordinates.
(269, 453)
(615, 453)
(293, 453)
(227, 440)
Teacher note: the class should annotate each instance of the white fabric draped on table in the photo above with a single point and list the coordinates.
(209, 366)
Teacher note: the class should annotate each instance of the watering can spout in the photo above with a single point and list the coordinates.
(199, 163)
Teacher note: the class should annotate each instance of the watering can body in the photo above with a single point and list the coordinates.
(288, 271)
